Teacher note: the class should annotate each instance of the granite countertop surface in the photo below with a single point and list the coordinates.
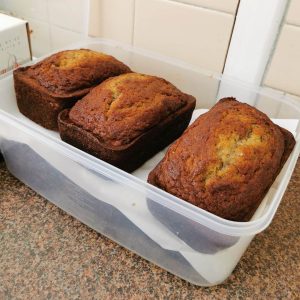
(47, 254)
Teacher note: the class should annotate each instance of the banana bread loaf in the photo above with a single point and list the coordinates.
(225, 161)
(127, 119)
(46, 88)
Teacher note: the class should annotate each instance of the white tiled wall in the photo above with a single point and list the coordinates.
(293, 14)
(54, 23)
(40, 36)
(36, 9)
(68, 14)
(193, 34)
(284, 69)
(228, 6)
(61, 37)
(196, 31)
(112, 19)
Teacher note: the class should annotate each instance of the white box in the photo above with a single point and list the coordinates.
(15, 47)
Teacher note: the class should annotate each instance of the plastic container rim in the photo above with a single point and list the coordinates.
(178, 205)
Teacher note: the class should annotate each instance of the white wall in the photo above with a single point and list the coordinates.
(54, 23)
(196, 31)
(284, 69)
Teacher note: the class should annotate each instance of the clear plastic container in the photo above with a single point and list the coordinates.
(181, 238)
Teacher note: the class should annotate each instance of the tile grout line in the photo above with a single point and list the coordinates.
(49, 25)
(133, 22)
(275, 44)
(206, 7)
(233, 25)
(292, 24)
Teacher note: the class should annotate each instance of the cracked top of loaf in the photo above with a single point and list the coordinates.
(225, 161)
(124, 107)
(72, 70)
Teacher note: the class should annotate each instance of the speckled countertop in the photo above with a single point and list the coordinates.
(46, 254)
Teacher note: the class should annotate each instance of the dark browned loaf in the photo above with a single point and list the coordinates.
(225, 161)
(48, 87)
(127, 119)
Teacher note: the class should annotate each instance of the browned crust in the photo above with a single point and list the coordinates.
(289, 144)
(42, 103)
(21, 74)
(128, 157)
(121, 108)
(225, 196)
(37, 104)
(67, 72)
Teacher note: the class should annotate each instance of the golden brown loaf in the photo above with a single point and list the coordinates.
(226, 160)
(57, 82)
(72, 70)
(127, 119)
(124, 107)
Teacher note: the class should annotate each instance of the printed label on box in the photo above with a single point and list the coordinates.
(14, 44)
